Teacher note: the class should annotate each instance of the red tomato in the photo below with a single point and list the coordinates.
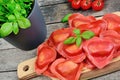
(64, 68)
(96, 26)
(71, 52)
(70, 0)
(97, 5)
(45, 55)
(99, 51)
(86, 4)
(77, 19)
(60, 35)
(113, 21)
(76, 4)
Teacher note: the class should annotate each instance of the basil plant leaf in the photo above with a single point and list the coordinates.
(1, 1)
(15, 28)
(24, 23)
(23, 11)
(65, 18)
(76, 31)
(17, 7)
(2, 19)
(87, 34)
(11, 6)
(11, 17)
(17, 14)
(2, 13)
(27, 0)
(70, 40)
(78, 41)
(6, 29)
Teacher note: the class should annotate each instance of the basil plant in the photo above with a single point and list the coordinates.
(13, 16)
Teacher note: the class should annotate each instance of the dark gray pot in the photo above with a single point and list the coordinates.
(30, 38)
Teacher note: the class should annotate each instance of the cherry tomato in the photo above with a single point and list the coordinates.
(97, 5)
(76, 4)
(86, 4)
(70, 1)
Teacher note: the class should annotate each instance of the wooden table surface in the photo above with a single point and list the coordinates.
(53, 11)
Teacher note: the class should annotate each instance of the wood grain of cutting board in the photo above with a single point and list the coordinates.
(26, 69)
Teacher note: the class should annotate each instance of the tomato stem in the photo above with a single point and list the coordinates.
(98, 3)
(86, 1)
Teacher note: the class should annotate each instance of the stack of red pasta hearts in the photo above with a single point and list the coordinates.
(69, 51)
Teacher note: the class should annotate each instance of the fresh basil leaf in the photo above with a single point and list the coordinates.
(1, 2)
(17, 7)
(11, 6)
(3, 8)
(15, 28)
(24, 23)
(65, 18)
(70, 40)
(87, 34)
(2, 19)
(6, 29)
(11, 17)
(6, 1)
(12, 1)
(27, 0)
(78, 41)
(2, 13)
(23, 11)
(76, 31)
(17, 14)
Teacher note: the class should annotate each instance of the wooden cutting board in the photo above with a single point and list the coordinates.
(26, 69)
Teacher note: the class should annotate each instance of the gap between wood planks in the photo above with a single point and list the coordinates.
(8, 71)
(54, 4)
(63, 23)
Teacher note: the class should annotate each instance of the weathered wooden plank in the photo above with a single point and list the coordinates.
(49, 2)
(13, 76)
(5, 45)
(8, 76)
(54, 13)
(9, 59)
(50, 28)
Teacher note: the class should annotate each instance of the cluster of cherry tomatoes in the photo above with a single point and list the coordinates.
(96, 5)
